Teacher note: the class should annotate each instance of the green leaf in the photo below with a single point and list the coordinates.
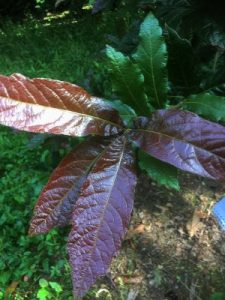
(56, 287)
(128, 81)
(162, 173)
(125, 111)
(43, 283)
(43, 294)
(207, 105)
(4, 277)
(151, 56)
(182, 63)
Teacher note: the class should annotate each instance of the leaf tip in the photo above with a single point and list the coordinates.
(37, 229)
(31, 232)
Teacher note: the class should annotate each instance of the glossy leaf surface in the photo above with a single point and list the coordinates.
(51, 106)
(161, 172)
(57, 200)
(101, 215)
(151, 56)
(207, 105)
(128, 81)
(184, 140)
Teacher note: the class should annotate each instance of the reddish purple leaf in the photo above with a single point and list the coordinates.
(184, 140)
(101, 215)
(51, 106)
(56, 202)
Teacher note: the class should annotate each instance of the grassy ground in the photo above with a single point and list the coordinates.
(48, 49)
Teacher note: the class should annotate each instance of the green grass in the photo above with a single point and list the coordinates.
(63, 50)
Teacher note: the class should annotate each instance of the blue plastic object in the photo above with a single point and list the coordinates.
(219, 212)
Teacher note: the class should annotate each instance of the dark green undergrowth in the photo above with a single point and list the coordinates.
(24, 170)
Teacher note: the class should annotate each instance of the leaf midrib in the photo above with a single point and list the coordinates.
(181, 140)
(151, 70)
(17, 102)
(136, 103)
(103, 213)
(75, 184)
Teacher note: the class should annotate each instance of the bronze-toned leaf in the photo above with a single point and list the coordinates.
(51, 106)
(184, 140)
(101, 215)
(56, 202)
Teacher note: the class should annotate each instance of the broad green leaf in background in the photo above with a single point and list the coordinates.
(125, 111)
(151, 56)
(162, 173)
(207, 105)
(128, 81)
(182, 62)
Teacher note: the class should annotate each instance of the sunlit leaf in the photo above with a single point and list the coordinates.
(56, 287)
(151, 56)
(51, 106)
(43, 294)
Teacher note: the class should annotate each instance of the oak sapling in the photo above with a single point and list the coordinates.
(93, 187)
